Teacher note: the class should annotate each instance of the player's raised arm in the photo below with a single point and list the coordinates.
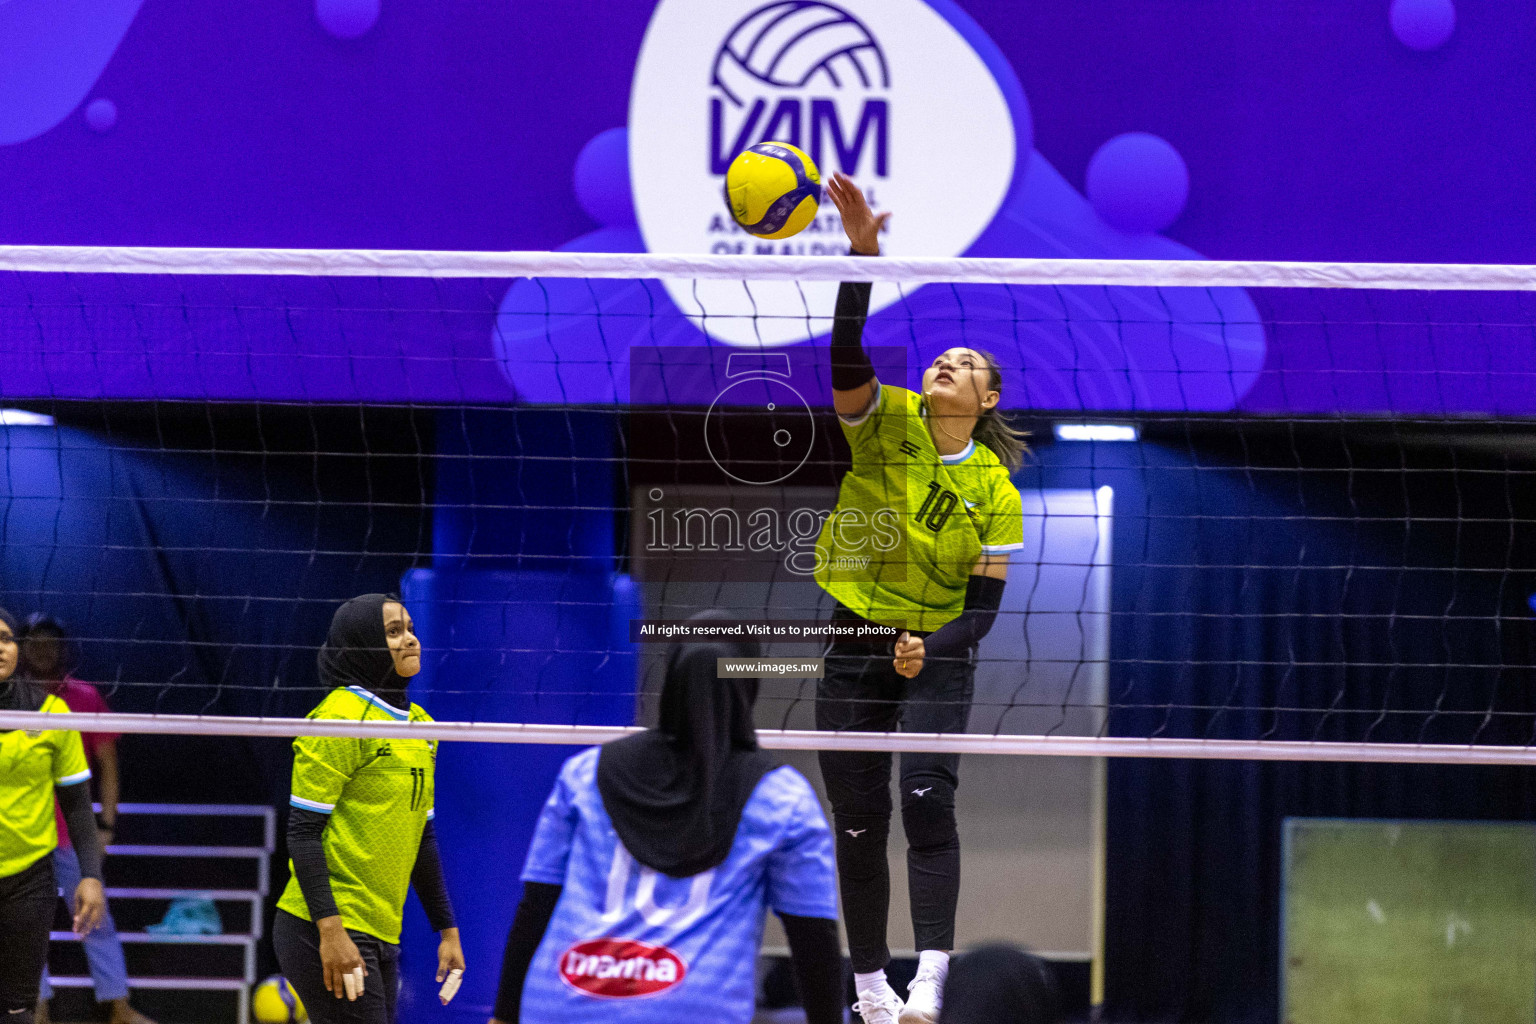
(853, 377)
(860, 223)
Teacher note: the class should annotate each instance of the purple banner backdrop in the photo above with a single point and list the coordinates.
(1284, 130)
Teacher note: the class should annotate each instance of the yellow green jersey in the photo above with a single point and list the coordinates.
(32, 763)
(910, 524)
(379, 796)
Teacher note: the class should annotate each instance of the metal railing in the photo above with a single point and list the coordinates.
(254, 897)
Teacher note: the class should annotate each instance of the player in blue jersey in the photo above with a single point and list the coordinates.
(654, 861)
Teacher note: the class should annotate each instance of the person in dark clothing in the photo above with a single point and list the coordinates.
(47, 660)
(1001, 984)
(655, 860)
(360, 828)
(930, 471)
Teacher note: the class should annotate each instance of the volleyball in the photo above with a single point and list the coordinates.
(773, 189)
(275, 1002)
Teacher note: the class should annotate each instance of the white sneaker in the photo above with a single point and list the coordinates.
(924, 998)
(885, 1008)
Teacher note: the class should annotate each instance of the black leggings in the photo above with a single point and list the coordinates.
(27, 903)
(861, 692)
(297, 943)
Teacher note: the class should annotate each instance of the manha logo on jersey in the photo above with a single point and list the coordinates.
(807, 73)
(620, 968)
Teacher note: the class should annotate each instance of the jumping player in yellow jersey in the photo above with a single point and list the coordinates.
(920, 541)
(360, 828)
(37, 767)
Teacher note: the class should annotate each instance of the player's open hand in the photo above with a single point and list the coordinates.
(909, 655)
(90, 906)
(341, 965)
(862, 224)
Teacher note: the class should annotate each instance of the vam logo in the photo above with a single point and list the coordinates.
(788, 72)
(888, 91)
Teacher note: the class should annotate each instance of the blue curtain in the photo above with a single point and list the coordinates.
(1378, 593)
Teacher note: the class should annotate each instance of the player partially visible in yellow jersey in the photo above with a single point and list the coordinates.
(37, 767)
(925, 522)
(360, 828)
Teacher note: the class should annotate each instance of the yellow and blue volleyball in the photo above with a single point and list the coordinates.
(275, 1002)
(773, 189)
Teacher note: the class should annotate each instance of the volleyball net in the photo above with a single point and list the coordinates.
(1271, 510)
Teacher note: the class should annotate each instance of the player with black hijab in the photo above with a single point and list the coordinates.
(1001, 984)
(37, 768)
(360, 828)
(675, 793)
(655, 859)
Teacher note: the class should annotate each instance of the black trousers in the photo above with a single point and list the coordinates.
(861, 692)
(27, 903)
(297, 944)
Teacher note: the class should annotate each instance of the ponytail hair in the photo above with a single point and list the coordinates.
(995, 432)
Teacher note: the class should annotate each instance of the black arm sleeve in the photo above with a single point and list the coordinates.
(954, 639)
(431, 887)
(75, 804)
(533, 914)
(818, 963)
(309, 867)
(850, 363)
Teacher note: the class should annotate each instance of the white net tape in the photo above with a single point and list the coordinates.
(460, 264)
(799, 739)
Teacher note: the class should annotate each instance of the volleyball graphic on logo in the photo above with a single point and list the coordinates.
(773, 190)
(795, 44)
